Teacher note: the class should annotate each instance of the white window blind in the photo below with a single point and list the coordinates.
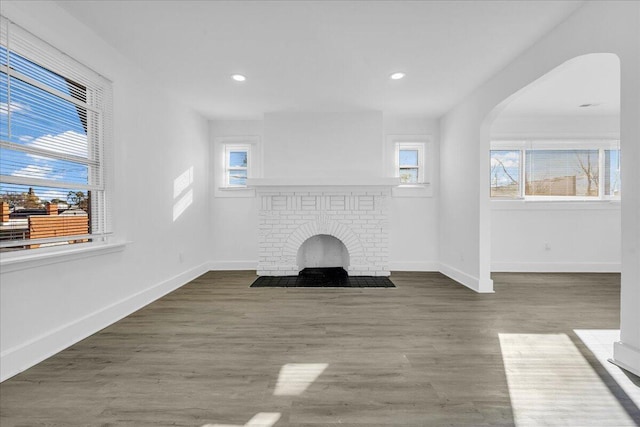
(55, 140)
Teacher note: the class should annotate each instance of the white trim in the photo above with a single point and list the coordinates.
(411, 146)
(23, 260)
(524, 145)
(414, 190)
(322, 182)
(556, 205)
(429, 266)
(219, 159)
(240, 148)
(556, 267)
(24, 356)
(471, 282)
(627, 357)
(233, 265)
(390, 159)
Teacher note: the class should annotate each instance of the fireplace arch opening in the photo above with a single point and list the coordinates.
(322, 250)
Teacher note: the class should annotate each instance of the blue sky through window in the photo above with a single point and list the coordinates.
(41, 120)
(408, 157)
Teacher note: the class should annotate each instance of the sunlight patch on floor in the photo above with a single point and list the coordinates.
(600, 343)
(295, 378)
(551, 384)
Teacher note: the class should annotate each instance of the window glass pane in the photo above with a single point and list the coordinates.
(505, 173)
(31, 69)
(408, 157)
(24, 165)
(238, 177)
(238, 159)
(42, 120)
(24, 196)
(561, 173)
(41, 213)
(612, 173)
(408, 175)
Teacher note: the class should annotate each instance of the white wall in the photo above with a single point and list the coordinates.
(413, 223)
(413, 228)
(234, 213)
(555, 237)
(323, 144)
(465, 214)
(547, 237)
(45, 307)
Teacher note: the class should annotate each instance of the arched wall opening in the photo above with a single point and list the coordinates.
(464, 203)
(554, 171)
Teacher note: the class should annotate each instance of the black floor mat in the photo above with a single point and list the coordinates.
(322, 282)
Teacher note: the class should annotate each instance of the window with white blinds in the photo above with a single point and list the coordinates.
(55, 137)
(555, 170)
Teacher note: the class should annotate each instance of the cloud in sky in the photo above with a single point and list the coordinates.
(4, 108)
(510, 159)
(38, 170)
(68, 142)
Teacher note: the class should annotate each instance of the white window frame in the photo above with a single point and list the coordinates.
(549, 144)
(228, 149)
(32, 48)
(223, 146)
(411, 146)
(426, 160)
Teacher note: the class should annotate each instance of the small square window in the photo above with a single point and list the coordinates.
(236, 166)
(410, 163)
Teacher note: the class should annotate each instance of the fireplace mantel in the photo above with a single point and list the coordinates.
(268, 183)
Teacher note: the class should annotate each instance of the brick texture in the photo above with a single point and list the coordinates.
(358, 218)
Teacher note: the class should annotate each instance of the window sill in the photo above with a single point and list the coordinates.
(235, 192)
(555, 205)
(36, 258)
(412, 190)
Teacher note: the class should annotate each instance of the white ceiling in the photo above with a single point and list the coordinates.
(321, 55)
(590, 79)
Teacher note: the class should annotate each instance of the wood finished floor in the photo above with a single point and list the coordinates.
(427, 353)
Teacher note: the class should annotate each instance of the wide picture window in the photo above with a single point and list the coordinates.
(54, 135)
(558, 170)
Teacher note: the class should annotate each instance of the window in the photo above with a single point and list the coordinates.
(505, 173)
(54, 130)
(555, 170)
(236, 165)
(237, 158)
(410, 162)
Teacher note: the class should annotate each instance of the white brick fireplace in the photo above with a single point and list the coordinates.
(356, 213)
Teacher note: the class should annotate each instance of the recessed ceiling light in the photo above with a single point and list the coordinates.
(592, 104)
(396, 76)
(238, 77)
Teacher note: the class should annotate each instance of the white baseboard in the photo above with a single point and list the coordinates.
(471, 282)
(627, 357)
(19, 358)
(233, 265)
(414, 266)
(556, 267)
